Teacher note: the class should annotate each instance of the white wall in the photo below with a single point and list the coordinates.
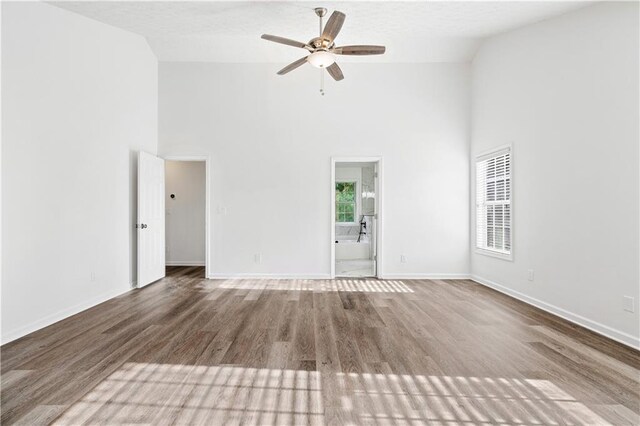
(564, 92)
(79, 99)
(185, 222)
(271, 139)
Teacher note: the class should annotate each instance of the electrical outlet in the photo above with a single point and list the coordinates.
(403, 258)
(221, 210)
(257, 258)
(628, 303)
(93, 276)
(530, 274)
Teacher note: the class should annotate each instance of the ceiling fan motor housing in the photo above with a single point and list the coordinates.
(319, 43)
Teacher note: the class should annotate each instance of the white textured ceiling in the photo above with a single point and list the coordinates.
(212, 31)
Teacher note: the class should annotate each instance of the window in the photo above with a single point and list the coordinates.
(493, 203)
(345, 202)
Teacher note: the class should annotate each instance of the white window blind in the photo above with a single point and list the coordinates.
(493, 202)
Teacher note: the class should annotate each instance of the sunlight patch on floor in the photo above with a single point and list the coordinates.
(198, 394)
(390, 398)
(185, 394)
(355, 285)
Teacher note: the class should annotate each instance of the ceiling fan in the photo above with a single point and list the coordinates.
(323, 49)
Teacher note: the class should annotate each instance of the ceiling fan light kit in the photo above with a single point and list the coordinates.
(321, 59)
(322, 49)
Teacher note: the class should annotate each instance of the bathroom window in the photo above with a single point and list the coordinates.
(493, 204)
(345, 202)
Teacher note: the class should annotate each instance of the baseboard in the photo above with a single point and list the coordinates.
(418, 276)
(596, 327)
(184, 263)
(59, 316)
(243, 276)
(216, 276)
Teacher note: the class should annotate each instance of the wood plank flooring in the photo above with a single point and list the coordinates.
(187, 350)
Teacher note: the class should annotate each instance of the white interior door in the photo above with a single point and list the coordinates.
(151, 216)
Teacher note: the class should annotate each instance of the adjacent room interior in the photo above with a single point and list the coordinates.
(305, 213)
(355, 218)
(185, 206)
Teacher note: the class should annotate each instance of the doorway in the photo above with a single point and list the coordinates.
(355, 217)
(161, 215)
(185, 213)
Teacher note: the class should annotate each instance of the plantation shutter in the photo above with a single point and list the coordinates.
(493, 202)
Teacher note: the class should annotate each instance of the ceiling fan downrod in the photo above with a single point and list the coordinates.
(321, 11)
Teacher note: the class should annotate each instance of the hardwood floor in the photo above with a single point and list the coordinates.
(192, 351)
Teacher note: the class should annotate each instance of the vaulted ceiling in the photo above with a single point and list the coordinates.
(212, 31)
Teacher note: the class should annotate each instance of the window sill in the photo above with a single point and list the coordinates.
(496, 254)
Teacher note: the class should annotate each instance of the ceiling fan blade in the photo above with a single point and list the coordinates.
(292, 66)
(335, 72)
(286, 41)
(359, 50)
(333, 26)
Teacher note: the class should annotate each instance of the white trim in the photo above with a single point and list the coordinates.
(494, 253)
(185, 263)
(379, 228)
(596, 327)
(488, 152)
(393, 276)
(259, 276)
(427, 276)
(60, 315)
(207, 214)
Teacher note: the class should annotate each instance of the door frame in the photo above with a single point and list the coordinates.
(207, 202)
(378, 204)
